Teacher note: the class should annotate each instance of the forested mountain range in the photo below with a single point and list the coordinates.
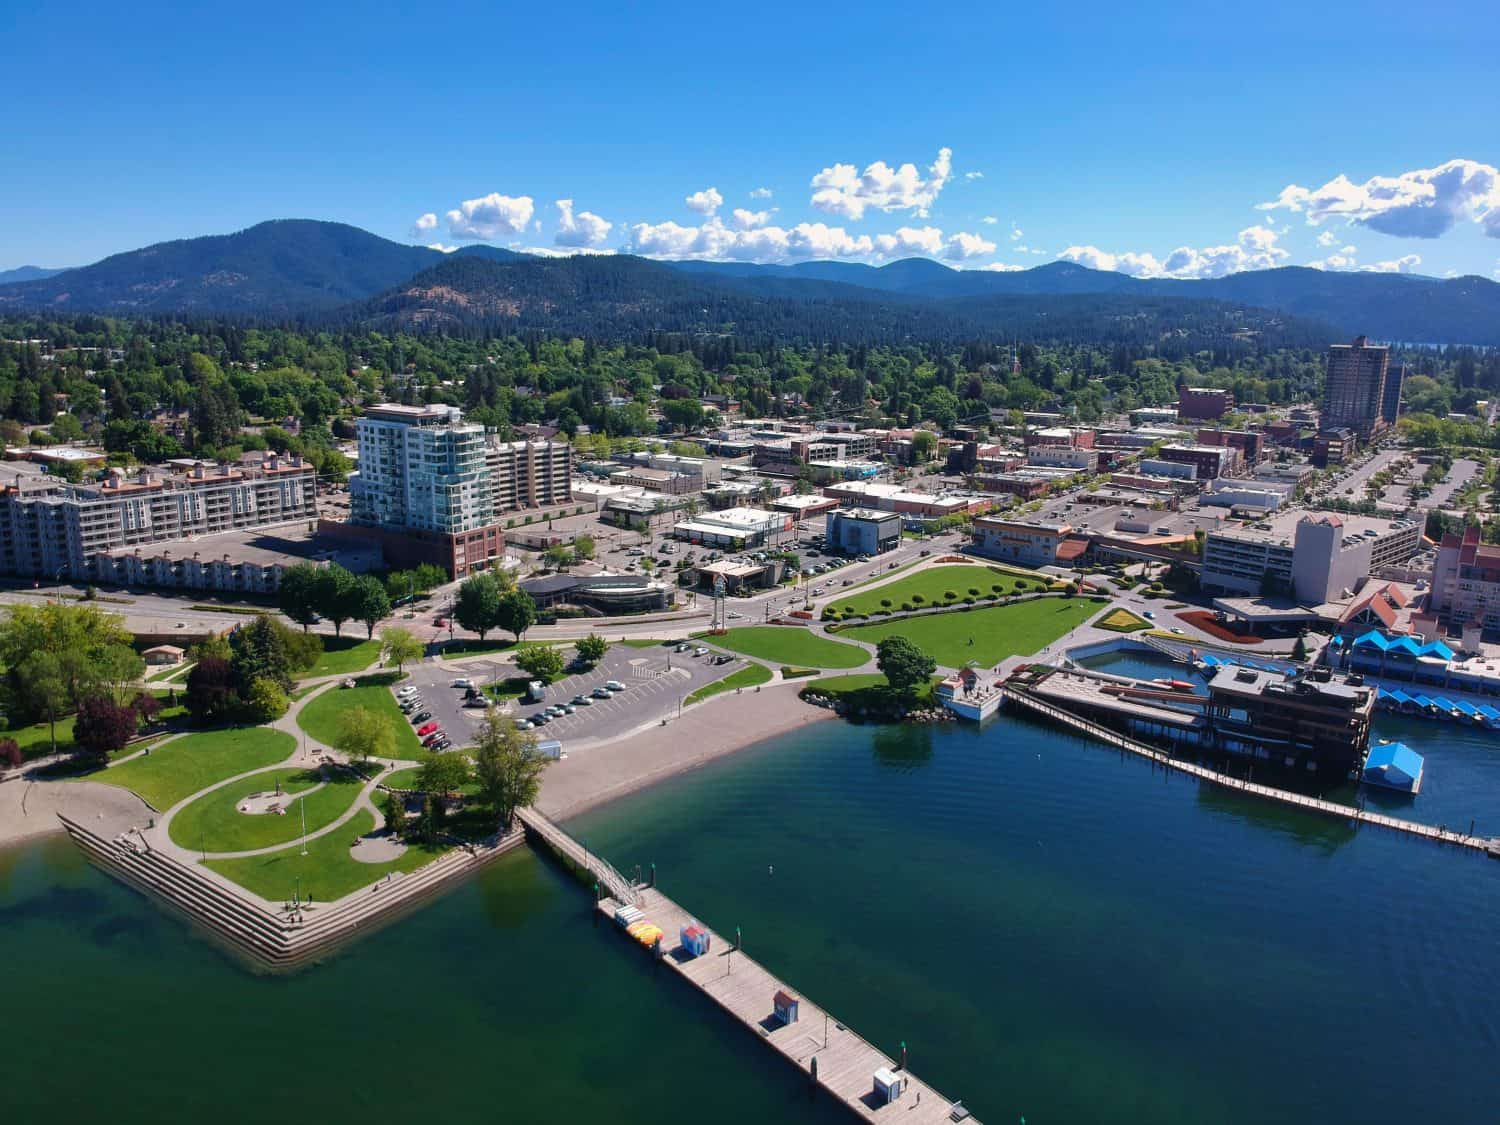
(331, 273)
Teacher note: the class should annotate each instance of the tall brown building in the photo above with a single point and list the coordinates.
(1355, 390)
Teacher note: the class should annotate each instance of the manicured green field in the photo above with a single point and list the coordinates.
(343, 656)
(987, 635)
(35, 741)
(750, 676)
(185, 765)
(641, 642)
(326, 873)
(213, 823)
(407, 779)
(320, 718)
(788, 644)
(934, 584)
(869, 688)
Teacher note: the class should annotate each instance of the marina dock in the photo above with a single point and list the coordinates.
(1027, 701)
(834, 1056)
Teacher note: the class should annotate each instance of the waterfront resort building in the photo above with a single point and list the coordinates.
(423, 489)
(50, 529)
(1466, 582)
(1028, 544)
(1354, 393)
(863, 531)
(1312, 557)
(1315, 721)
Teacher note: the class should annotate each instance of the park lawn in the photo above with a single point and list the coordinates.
(407, 779)
(641, 642)
(789, 644)
(933, 583)
(753, 676)
(212, 823)
(320, 718)
(327, 872)
(870, 688)
(343, 656)
(185, 765)
(35, 740)
(996, 631)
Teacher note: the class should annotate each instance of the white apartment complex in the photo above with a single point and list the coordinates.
(421, 468)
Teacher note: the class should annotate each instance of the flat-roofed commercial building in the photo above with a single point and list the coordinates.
(1203, 403)
(1024, 543)
(736, 528)
(1313, 557)
(894, 498)
(863, 531)
(1208, 461)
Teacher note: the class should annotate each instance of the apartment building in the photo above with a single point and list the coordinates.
(51, 529)
(528, 474)
(1466, 582)
(1203, 403)
(1208, 461)
(1354, 392)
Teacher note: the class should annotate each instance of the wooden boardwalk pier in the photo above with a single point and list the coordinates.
(1025, 700)
(837, 1058)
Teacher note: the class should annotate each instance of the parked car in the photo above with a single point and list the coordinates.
(1148, 615)
(462, 682)
(413, 704)
(409, 689)
(601, 693)
(476, 701)
(439, 745)
(427, 728)
(540, 719)
(524, 724)
(421, 716)
(568, 709)
(581, 701)
(616, 685)
(431, 740)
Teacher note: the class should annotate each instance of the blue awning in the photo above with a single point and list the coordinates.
(1401, 697)
(1443, 703)
(1467, 708)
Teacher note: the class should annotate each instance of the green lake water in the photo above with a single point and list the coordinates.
(1054, 931)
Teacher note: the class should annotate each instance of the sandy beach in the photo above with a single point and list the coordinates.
(30, 808)
(591, 776)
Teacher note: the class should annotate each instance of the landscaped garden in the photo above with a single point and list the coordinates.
(343, 656)
(328, 871)
(986, 635)
(1122, 621)
(748, 677)
(185, 765)
(321, 717)
(214, 823)
(789, 644)
(937, 586)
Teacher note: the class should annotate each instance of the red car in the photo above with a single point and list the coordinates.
(428, 728)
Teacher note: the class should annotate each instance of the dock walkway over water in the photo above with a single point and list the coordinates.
(1028, 701)
(815, 1042)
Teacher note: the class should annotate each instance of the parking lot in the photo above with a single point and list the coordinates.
(656, 681)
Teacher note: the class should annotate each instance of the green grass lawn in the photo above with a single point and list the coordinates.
(640, 642)
(407, 779)
(343, 656)
(752, 676)
(214, 824)
(327, 872)
(35, 740)
(320, 718)
(932, 584)
(869, 688)
(997, 631)
(789, 644)
(185, 765)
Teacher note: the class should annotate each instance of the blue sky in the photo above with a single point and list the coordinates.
(1139, 138)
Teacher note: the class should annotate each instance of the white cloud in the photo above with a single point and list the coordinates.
(760, 193)
(1001, 267)
(1254, 249)
(581, 229)
(1037, 251)
(491, 216)
(1407, 263)
(1015, 233)
(909, 240)
(565, 251)
(705, 202)
(1327, 238)
(989, 220)
(749, 220)
(973, 175)
(961, 247)
(1424, 203)
(440, 246)
(1334, 262)
(841, 189)
(425, 224)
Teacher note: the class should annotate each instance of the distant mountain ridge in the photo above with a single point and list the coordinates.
(27, 273)
(291, 268)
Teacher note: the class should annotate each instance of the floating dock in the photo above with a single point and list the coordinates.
(833, 1056)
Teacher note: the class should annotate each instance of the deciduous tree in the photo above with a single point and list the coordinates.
(298, 594)
(104, 726)
(478, 605)
(400, 646)
(591, 649)
(364, 733)
(543, 662)
(903, 664)
(507, 766)
(371, 605)
(443, 774)
(516, 612)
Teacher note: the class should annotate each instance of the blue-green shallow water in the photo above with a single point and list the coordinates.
(1055, 932)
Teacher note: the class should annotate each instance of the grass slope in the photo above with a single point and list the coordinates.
(787, 644)
(213, 823)
(752, 676)
(327, 872)
(320, 718)
(932, 584)
(996, 631)
(182, 767)
(343, 656)
(35, 740)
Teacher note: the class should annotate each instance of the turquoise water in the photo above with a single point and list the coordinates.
(1054, 931)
